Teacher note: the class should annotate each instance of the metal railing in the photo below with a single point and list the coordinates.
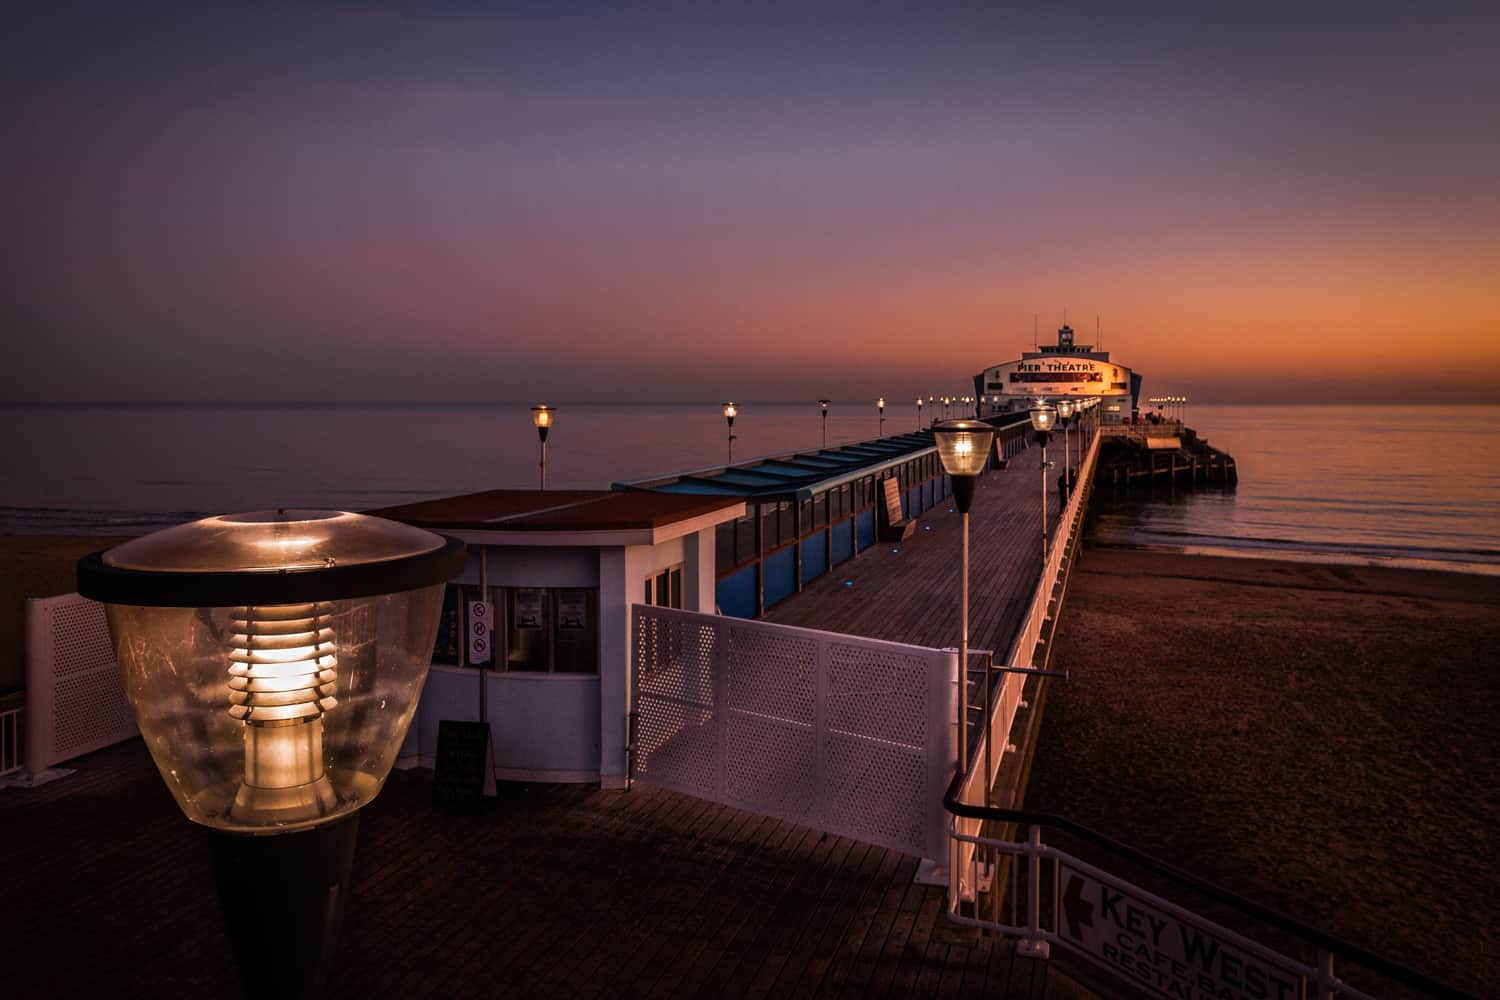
(1052, 912)
(998, 706)
(1139, 432)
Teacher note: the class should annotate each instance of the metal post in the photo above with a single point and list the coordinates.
(1044, 504)
(825, 430)
(1067, 463)
(989, 755)
(963, 657)
(1032, 945)
(1326, 980)
(543, 463)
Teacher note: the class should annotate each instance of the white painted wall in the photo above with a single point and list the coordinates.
(569, 726)
(543, 727)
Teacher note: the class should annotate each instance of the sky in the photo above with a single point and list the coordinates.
(478, 201)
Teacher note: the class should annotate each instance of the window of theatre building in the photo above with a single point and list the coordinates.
(537, 629)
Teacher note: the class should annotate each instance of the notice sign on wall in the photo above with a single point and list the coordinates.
(1164, 950)
(527, 609)
(481, 632)
(572, 609)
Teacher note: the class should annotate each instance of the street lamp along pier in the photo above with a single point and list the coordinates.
(273, 661)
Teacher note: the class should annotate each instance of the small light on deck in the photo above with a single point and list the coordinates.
(542, 417)
(1043, 415)
(730, 412)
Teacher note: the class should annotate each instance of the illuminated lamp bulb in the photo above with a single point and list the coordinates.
(282, 679)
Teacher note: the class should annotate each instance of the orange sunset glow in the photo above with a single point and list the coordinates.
(530, 212)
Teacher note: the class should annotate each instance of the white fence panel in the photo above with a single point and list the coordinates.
(848, 735)
(75, 701)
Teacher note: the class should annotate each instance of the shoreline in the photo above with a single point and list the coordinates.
(1312, 557)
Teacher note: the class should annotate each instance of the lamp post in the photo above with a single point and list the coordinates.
(880, 424)
(730, 410)
(824, 404)
(964, 447)
(1065, 417)
(1043, 415)
(273, 661)
(542, 416)
(919, 413)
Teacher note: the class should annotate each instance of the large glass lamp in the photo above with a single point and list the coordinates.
(273, 661)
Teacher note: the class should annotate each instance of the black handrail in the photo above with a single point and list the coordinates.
(1395, 971)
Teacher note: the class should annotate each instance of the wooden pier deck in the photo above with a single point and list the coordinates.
(558, 891)
(910, 592)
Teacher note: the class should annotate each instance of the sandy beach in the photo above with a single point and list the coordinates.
(1320, 739)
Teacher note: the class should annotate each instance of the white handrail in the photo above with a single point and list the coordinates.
(997, 720)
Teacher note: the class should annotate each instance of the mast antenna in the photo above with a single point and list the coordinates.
(1033, 331)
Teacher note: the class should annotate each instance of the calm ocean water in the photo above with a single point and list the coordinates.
(1402, 485)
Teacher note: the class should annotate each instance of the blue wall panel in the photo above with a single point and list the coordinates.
(866, 536)
(843, 541)
(781, 574)
(913, 502)
(927, 505)
(736, 593)
(814, 556)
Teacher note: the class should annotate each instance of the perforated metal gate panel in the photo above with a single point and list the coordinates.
(75, 701)
(843, 734)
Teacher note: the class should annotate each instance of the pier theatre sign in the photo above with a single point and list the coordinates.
(1163, 949)
(1049, 375)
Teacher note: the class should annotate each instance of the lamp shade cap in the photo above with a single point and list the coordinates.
(269, 556)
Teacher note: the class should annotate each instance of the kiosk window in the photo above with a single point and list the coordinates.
(552, 630)
(664, 589)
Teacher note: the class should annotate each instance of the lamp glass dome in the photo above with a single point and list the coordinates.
(1065, 408)
(1043, 415)
(542, 416)
(274, 660)
(730, 410)
(880, 402)
(963, 445)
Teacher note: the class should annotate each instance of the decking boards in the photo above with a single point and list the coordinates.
(910, 592)
(556, 891)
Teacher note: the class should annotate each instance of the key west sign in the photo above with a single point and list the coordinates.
(1163, 949)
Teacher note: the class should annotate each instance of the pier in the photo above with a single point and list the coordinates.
(1168, 450)
(792, 827)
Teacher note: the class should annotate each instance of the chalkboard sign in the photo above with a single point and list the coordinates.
(464, 772)
(892, 500)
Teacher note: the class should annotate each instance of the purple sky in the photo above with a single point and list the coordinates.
(365, 201)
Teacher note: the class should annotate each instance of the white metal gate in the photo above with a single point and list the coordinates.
(75, 700)
(849, 735)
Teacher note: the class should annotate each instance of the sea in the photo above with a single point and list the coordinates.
(1407, 486)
